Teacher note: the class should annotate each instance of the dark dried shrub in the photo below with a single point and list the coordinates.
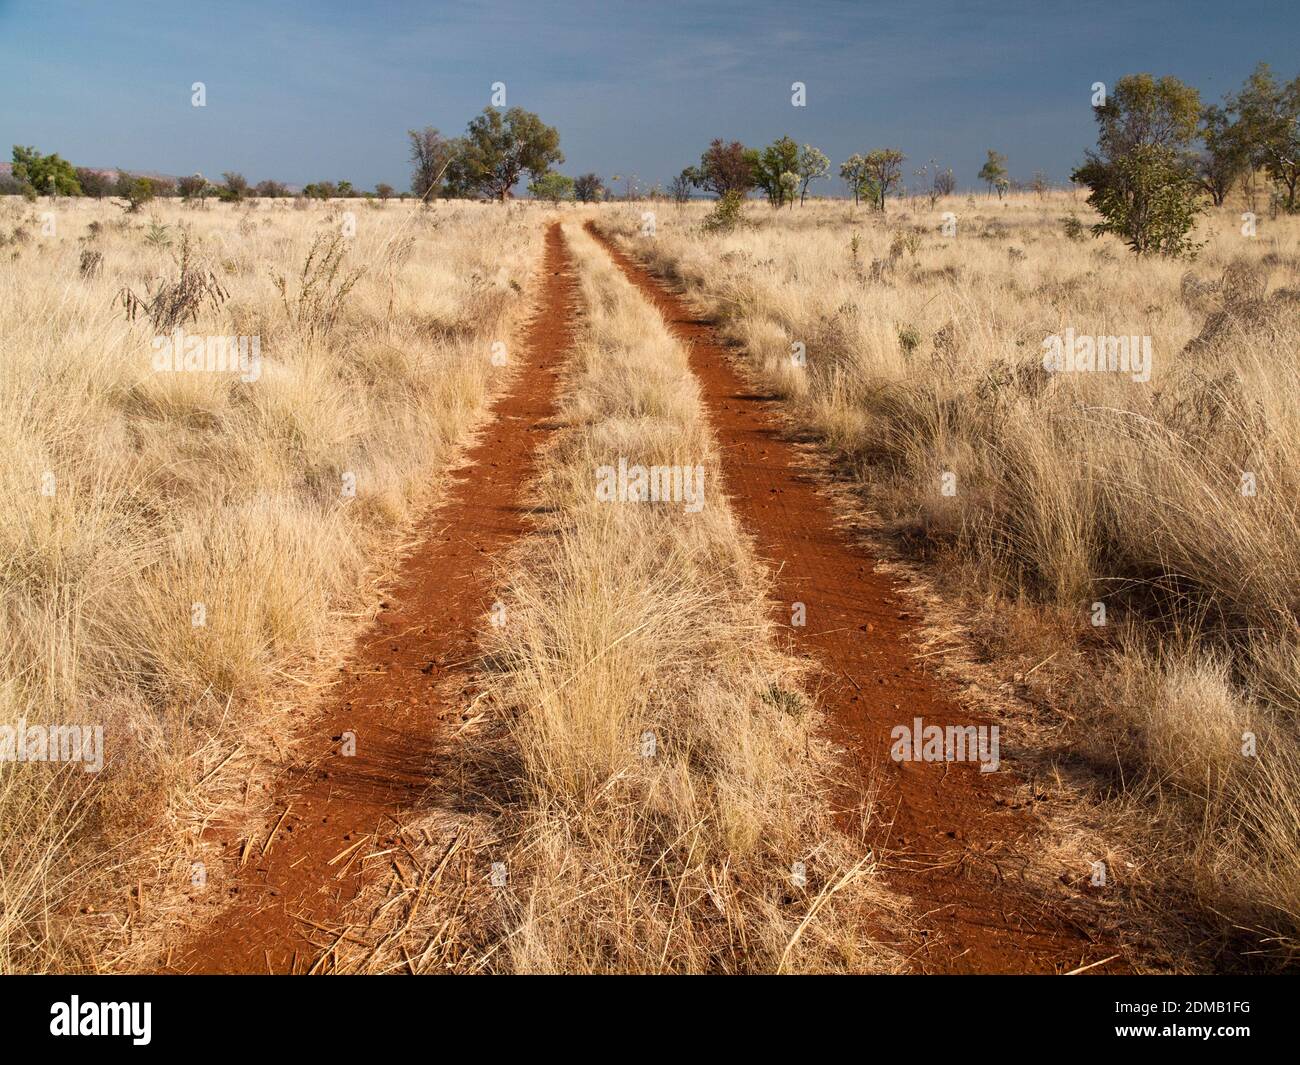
(1243, 282)
(172, 303)
(323, 286)
(1238, 308)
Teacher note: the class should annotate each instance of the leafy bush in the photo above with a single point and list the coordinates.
(553, 187)
(1142, 177)
(194, 187)
(234, 187)
(136, 192)
(725, 168)
(158, 234)
(1145, 199)
(777, 159)
(93, 183)
(725, 215)
(44, 174)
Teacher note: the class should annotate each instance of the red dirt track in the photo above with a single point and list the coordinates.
(956, 834)
(951, 839)
(399, 692)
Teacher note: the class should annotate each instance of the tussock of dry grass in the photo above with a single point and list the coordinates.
(924, 357)
(626, 621)
(179, 488)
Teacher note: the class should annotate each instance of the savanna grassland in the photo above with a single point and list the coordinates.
(650, 769)
(182, 553)
(1124, 552)
(192, 551)
(697, 491)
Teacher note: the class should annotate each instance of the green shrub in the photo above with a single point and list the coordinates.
(136, 192)
(552, 186)
(725, 215)
(1146, 199)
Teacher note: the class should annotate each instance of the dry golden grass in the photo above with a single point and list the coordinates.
(630, 624)
(924, 358)
(171, 489)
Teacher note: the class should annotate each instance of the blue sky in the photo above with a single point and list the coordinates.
(326, 90)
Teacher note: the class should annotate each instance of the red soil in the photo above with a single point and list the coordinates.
(958, 838)
(398, 694)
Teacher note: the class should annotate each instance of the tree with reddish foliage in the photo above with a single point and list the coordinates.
(725, 168)
(94, 182)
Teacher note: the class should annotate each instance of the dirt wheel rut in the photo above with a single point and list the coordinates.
(400, 694)
(956, 833)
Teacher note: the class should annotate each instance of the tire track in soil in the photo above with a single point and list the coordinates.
(401, 689)
(955, 832)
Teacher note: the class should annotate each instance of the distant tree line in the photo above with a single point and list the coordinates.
(1160, 156)
(784, 171)
(35, 174)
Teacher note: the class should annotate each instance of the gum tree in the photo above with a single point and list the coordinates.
(994, 173)
(1226, 156)
(1268, 115)
(1142, 172)
(194, 187)
(93, 183)
(552, 187)
(853, 171)
(935, 182)
(789, 187)
(499, 148)
(680, 186)
(813, 165)
(431, 153)
(778, 158)
(234, 187)
(883, 170)
(588, 188)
